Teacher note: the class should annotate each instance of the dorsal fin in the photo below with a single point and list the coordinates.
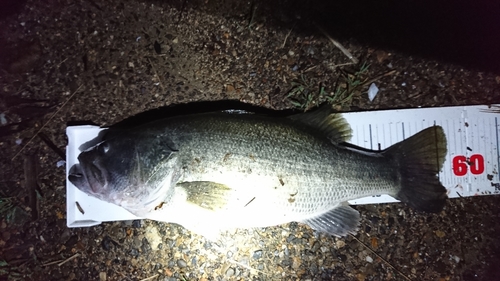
(324, 119)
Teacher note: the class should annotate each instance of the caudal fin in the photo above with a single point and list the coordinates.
(420, 158)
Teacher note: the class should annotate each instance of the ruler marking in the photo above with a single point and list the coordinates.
(467, 181)
(403, 127)
(498, 151)
(371, 138)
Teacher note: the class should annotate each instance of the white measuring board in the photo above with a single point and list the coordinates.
(472, 132)
(471, 167)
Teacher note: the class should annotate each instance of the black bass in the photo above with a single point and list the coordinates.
(223, 170)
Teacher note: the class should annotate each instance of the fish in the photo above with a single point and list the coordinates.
(216, 171)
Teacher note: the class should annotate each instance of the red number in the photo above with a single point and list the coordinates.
(459, 165)
(476, 164)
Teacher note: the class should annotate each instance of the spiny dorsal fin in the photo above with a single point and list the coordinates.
(209, 195)
(324, 119)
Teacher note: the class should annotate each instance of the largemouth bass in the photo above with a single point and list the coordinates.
(216, 171)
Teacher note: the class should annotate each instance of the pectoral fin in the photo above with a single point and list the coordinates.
(339, 221)
(208, 195)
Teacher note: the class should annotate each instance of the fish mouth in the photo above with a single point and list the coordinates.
(88, 178)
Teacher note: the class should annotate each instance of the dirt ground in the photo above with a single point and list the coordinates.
(100, 61)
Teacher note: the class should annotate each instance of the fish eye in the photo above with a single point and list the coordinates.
(104, 147)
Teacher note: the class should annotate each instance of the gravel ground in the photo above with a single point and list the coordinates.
(102, 61)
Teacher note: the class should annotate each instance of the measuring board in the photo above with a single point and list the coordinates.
(472, 133)
(471, 167)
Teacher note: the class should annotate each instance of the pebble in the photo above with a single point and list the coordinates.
(229, 272)
(257, 254)
(170, 243)
(369, 259)
(181, 263)
(145, 247)
(134, 252)
(315, 246)
(340, 244)
(107, 243)
(137, 223)
(102, 276)
(342, 257)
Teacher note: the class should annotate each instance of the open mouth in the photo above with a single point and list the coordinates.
(89, 178)
(77, 178)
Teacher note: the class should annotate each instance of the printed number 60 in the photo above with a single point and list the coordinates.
(460, 164)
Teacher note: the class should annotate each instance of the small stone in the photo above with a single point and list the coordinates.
(102, 276)
(136, 223)
(257, 254)
(176, 40)
(361, 277)
(168, 272)
(455, 258)
(134, 252)
(181, 263)
(369, 259)
(107, 243)
(229, 272)
(440, 233)
(315, 247)
(229, 88)
(340, 244)
(296, 263)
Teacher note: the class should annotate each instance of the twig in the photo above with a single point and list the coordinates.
(377, 78)
(30, 177)
(48, 121)
(310, 68)
(245, 266)
(156, 73)
(51, 144)
(338, 45)
(150, 277)
(61, 262)
(254, 10)
(378, 256)
(218, 249)
(286, 37)
(69, 259)
(341, 64)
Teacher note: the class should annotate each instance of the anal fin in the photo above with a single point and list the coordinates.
(339, 221)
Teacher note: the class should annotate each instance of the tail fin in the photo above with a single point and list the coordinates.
(420, 158)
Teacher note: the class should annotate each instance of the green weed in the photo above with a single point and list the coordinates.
(10, 272)
(303, 94)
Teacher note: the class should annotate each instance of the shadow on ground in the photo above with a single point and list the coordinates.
(461, 32)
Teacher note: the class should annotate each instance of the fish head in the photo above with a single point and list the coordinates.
(129, 172)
